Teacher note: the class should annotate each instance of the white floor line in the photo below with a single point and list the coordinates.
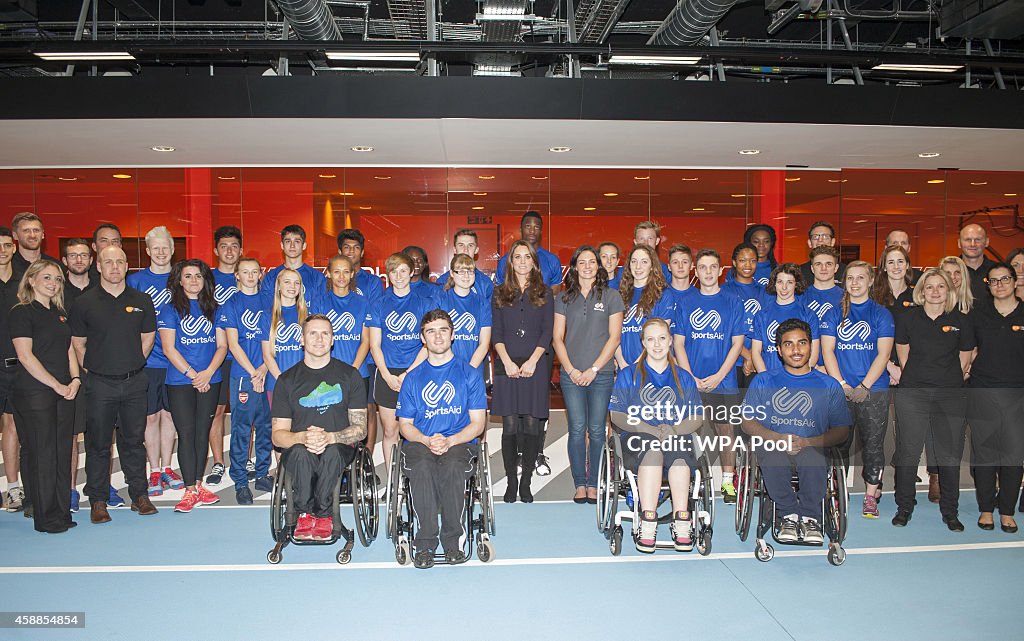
(586, 560)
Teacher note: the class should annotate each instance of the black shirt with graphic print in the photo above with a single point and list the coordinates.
(320, 397)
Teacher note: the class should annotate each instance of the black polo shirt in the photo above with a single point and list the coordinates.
(113, 328)
(8, 299)
(71, 291)
(1000, 341)
(51, 338)
(19, 264)
(978, 285)
(935, 347)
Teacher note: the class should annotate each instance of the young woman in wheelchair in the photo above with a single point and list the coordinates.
(651, 405)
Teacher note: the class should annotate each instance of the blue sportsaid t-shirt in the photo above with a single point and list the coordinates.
(857, 339)
(398, 318)
(155, 286)
(482, 285)
(633, 322)
(347, 314)
(224, 286)
(195, 337)
(767, 322)
(820, 301)
(287, 340)
(804, 405)
(469, 314)
(244, 312)
(753, 297)
(550, 268)
(425, 289)
(630, 395)
(709, 327)
(369, 285)
(314, 284)
(438, 398)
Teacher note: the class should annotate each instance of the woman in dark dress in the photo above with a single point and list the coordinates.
(43, 393)
(523, 317)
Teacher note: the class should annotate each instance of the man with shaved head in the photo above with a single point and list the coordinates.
(113, 328)
(972, 243)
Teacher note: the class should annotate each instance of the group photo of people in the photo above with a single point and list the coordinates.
(658, 346)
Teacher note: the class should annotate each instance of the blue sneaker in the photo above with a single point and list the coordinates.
(115, 499)
(74, 500)
(243, 496)
(170, 478)
(265, 484)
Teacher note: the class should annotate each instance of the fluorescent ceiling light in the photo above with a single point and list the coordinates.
(94, 55)
(929, 154)
(616, 59)
(377, 56)
(926, 68)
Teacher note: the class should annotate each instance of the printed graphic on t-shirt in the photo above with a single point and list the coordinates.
(323, 397)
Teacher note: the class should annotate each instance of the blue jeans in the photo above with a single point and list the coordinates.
(253, 411)
(586, 409)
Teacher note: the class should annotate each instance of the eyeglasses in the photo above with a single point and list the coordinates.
(463, 272)
(821, 236)
(1004, 280)
(84, 256)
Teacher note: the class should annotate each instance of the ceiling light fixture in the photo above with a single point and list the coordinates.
(925, 68)
(375, 56)
(382, 177)
(346, 193)
(979, 184)
(738, 195)
(364, 207)
(641, 177)
(749, 152)
(95, 55)
(698, 209)
(689, 179)
(1009, 194)
(479, 193)
(589, 208)
(837, 180)
(477, 208)
(936, 181)
(69, 180)
(162, 148)
(559, 150)
(792, 180)
(486, 177)
(611, 194)
(328, 175)
(226, 177)
(652, 60)
(539, 177)
(122, 176)
(929, 154)
(361, 148)
(910, 193)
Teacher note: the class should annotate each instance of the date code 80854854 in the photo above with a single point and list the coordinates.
(42, 619)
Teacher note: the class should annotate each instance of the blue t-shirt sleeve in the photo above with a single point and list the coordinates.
(219, 320)
(486, 314)
(812, 319)
(553, 271)
(755, 395)
(406, 407)
(739, 318)
(838, 411)
(167, 317)
(265, 325)
(884, 323)
(619, 401)
(499, 276)
(373, 313)
(477, 398)
(830, 323)
(226, 314)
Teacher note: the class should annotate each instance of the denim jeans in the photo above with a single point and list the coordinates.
(586, 409)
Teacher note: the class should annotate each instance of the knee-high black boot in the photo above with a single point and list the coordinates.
(509, 453)
(530, 440)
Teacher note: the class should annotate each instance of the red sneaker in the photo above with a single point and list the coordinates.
(304, 527)
(189, 501)
(324, 529)
(206, 497)
(155, 489)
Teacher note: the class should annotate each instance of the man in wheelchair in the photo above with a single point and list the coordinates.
(798, 413)
(651, 406)
(319, 414)
(441, 408)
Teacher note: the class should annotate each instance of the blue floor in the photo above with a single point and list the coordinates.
(204, 576)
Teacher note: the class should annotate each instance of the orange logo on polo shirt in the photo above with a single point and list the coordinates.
(62, 319)
(131, 309)
(907, 303)
(950, 328)
(1017, 328)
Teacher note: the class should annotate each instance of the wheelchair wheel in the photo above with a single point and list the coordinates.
(746, 488)
(604, 486)
(837, 501)
(485, 551)
(483, 488)
(364, 497)
(343, 557)
(836, 554)
(615, 540)
(394, 475)
(704, 543)
(279, 509)
(274, 557)
(403, 553)
(705, 503)
(765, 554)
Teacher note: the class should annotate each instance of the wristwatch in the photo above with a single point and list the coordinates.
(593, 368)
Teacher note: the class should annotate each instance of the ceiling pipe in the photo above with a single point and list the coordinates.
(689, 22)
(310, 19)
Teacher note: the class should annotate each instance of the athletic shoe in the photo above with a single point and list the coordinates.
(155, 487)
(812, 531)
(424, 560)
(243, 496)
(681, 532)
(13, 499)
(206, 497)
(323, 528)
(455, 557)
(728, 492)
(250, 470)
(216, 474)
(264, 484)
(115, 499)
(170, 478)
(189, 501)
(543, 466)
(870, 508)
(75, 497)
(646, 540)
(789, 532)
(304, 527)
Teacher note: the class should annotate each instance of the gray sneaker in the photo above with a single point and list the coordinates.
(216, 474)
(13, 499)
(812, 531)
(788, 531)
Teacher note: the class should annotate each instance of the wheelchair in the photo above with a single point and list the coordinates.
(479, 512)
(835, 506)
(358, 486)
(616, 483)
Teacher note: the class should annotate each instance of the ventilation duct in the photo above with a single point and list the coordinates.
(690, 21)
(310, 19)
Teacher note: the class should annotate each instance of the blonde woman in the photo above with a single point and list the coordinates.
(282, 328)
(956, 269)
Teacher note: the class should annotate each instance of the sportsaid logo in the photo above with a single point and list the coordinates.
(221, 294)
(434, 395)
(819, 308)
(854, 331)
(341, 322)
(160, 298)
(286, 338)
(654, 397)
(398, 324)
(464, 322)
(773, 328)
(751, 306)
(633, 320)
(786, 402)
(192, 327)
(700, 320)
(251, 320)
(763, 282)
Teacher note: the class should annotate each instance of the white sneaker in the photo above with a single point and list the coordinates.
(647, 539)
(13, 499)
(789, 532)
(812, 531)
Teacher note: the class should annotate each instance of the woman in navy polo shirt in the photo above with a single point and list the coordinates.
(856, 342)
(195, 345)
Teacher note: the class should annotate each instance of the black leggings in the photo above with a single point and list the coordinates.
(192, 412)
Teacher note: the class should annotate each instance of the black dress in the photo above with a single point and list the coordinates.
(522, 327)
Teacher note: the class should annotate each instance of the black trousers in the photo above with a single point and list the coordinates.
(314, 477)
(121, 403)
(996, 417)
(192, 412)
(45, 424)
(940, 412)
(871, 419)
(438, 487)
